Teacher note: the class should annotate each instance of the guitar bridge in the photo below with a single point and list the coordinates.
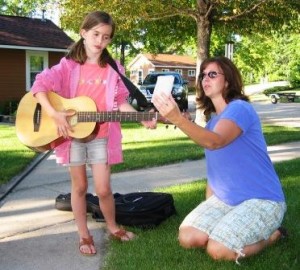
(37, 117)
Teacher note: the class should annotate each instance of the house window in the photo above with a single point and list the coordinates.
(165, 70)
(179, 71)
(191, 73)
(35, 63)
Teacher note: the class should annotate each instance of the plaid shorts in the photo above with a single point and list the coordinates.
(92, 152)
(236, 226)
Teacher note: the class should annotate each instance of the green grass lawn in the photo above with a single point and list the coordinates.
(14, 156)
(159, 249)
(142, 147)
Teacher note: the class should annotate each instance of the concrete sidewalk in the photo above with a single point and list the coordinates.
(34, 235)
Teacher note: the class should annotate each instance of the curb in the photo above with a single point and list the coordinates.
(5, 189)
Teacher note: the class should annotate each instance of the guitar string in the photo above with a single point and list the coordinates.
(115, 116)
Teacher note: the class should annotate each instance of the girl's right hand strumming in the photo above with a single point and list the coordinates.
(61, 121)
(59, 117)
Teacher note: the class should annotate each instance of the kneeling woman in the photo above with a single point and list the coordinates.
(245, 204)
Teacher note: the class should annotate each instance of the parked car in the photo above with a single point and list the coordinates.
(179, 90)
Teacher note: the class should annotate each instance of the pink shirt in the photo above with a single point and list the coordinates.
(63, 79)
(92, 83)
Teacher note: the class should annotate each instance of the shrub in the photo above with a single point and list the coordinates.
(9, 107)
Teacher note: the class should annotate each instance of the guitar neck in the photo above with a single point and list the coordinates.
(116, 116)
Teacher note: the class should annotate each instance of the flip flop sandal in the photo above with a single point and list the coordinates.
(87, 242)
(123, 235)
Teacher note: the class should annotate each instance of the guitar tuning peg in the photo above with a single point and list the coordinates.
(167, 126)
(175, 127)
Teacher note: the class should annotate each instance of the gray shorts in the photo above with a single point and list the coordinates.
(236, 226)
(92, 152)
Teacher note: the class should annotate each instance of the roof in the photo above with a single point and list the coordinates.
(170, 59)
(32, 32)
(167, 60)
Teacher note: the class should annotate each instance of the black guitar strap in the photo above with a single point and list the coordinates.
(133, 90)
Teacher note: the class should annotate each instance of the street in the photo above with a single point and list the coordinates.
(285, 114)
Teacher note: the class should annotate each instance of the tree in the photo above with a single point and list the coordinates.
(293, 55)
(29, 8)
(273, 57)
(224, 17)
(20, 7)
(253, 55)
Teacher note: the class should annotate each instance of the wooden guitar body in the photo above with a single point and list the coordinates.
(36, 129)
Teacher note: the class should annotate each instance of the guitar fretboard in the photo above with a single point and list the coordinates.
(116, 116)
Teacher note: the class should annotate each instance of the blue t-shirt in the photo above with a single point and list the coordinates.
(242, 170)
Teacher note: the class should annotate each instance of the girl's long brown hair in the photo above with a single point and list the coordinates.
(77, 51)
(234, 90)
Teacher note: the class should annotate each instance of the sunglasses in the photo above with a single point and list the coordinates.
(211, 74)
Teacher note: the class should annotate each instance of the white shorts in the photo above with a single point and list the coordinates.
(237, 226)
(92, 152)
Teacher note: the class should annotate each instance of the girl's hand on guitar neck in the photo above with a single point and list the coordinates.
(169, 109)
(125, 107)
(150, 124)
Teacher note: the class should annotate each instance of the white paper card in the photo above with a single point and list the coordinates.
(164, 84)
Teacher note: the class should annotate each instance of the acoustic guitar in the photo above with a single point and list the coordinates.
(37, 130)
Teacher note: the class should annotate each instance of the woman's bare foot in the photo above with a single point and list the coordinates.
(280, 233)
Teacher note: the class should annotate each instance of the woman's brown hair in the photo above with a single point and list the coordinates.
(234, 90)
(77, 51)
